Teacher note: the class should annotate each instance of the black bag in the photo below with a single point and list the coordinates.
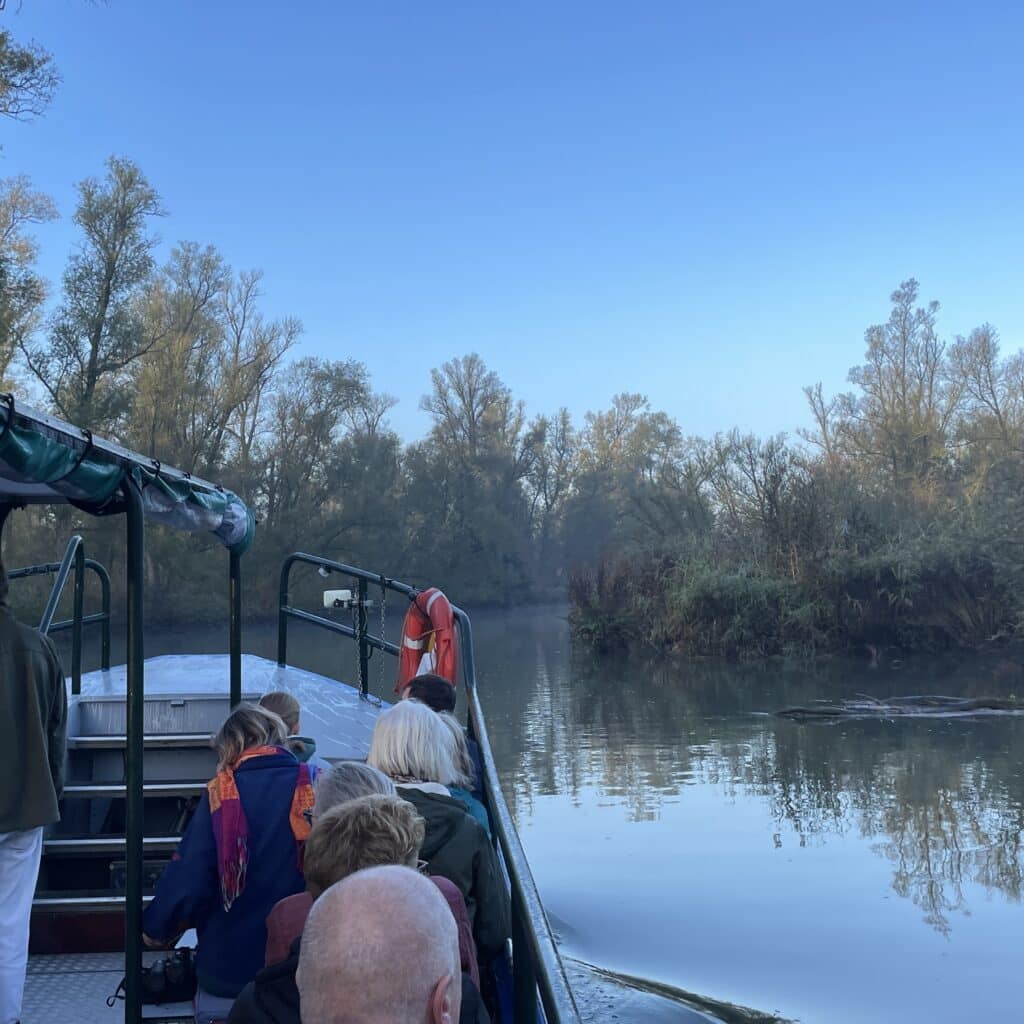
(171, 979)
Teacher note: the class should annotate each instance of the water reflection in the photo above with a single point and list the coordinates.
(941, 800)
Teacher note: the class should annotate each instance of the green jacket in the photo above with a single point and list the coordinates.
(33, 726)
(456, 847)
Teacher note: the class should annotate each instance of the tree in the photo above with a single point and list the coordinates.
(100, 329)
(992, 413)
(469, 513)
(22, 290)
(900, 420)
(751, 489)
(470, 407)
(28, 79)
(307, 421)
(215, 363)
(549, 483)
(368, 478)
(640, 484)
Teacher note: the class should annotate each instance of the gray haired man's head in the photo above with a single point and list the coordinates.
(349, 780)
(380, 947)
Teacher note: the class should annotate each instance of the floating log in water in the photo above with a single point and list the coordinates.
(891, 707)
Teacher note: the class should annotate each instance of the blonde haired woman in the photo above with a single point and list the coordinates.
(413, 746)
(241, 853)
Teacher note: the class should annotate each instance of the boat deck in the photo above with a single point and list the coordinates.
(334, 714)
(75, 987)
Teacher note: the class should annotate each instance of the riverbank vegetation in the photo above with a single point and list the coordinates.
(893, 522)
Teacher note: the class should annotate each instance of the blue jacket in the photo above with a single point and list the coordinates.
(304, 748)
(472, 805)
(232, 943)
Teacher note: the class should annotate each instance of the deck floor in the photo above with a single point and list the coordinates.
(73, 988)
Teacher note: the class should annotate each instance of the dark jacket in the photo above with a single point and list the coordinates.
(231, 943)
(456, 847)
(33, 726)
(478, 767)
(273, 997)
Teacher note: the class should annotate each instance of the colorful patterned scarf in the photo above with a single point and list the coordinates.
(231, 830)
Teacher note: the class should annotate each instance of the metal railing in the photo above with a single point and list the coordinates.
(74, 560)
(365, 640)
(537, 971)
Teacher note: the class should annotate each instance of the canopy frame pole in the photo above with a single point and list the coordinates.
(282, 613)
(235, 625)
(135, 535)
(362, 624)
(76, 619)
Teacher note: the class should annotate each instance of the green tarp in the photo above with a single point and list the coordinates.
(45, 460)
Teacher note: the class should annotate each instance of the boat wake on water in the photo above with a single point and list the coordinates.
(603, 994)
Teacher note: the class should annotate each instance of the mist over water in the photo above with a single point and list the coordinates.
(841, 873)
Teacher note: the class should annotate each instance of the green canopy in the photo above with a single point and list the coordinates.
(44, 460)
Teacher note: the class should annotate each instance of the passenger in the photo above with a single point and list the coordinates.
(342, 782)
(366, 832)
(349, 780)
(241, 853)
(303, 747)
(355, 842)
(33, 732)
(462, 781)
(412, 746)
(380, 946)
(433, 690)
(440, 695)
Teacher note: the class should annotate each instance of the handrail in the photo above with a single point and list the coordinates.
(542, 971)
(102, 617)
(73, 553)
(536, 966)
(359, 633)
(74, 559)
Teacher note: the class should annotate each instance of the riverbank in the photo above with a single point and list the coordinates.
(931, 594)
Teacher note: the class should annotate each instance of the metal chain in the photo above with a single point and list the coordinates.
(356, 611)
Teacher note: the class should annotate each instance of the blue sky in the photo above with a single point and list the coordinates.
(707, 203)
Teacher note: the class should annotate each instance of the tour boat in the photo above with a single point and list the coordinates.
(139, 752)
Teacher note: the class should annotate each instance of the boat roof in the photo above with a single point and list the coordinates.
(335, 714)
(44, 460)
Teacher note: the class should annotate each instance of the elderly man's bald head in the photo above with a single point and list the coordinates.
(380, 947)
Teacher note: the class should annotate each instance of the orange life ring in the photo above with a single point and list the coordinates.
(428, 639)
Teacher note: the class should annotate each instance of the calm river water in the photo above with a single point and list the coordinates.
(682, 835)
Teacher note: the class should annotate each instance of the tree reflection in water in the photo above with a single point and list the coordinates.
(942, 800)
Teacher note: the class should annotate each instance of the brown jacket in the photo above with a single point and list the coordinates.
(33, 726)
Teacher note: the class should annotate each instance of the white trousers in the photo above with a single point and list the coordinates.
(19, 867)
